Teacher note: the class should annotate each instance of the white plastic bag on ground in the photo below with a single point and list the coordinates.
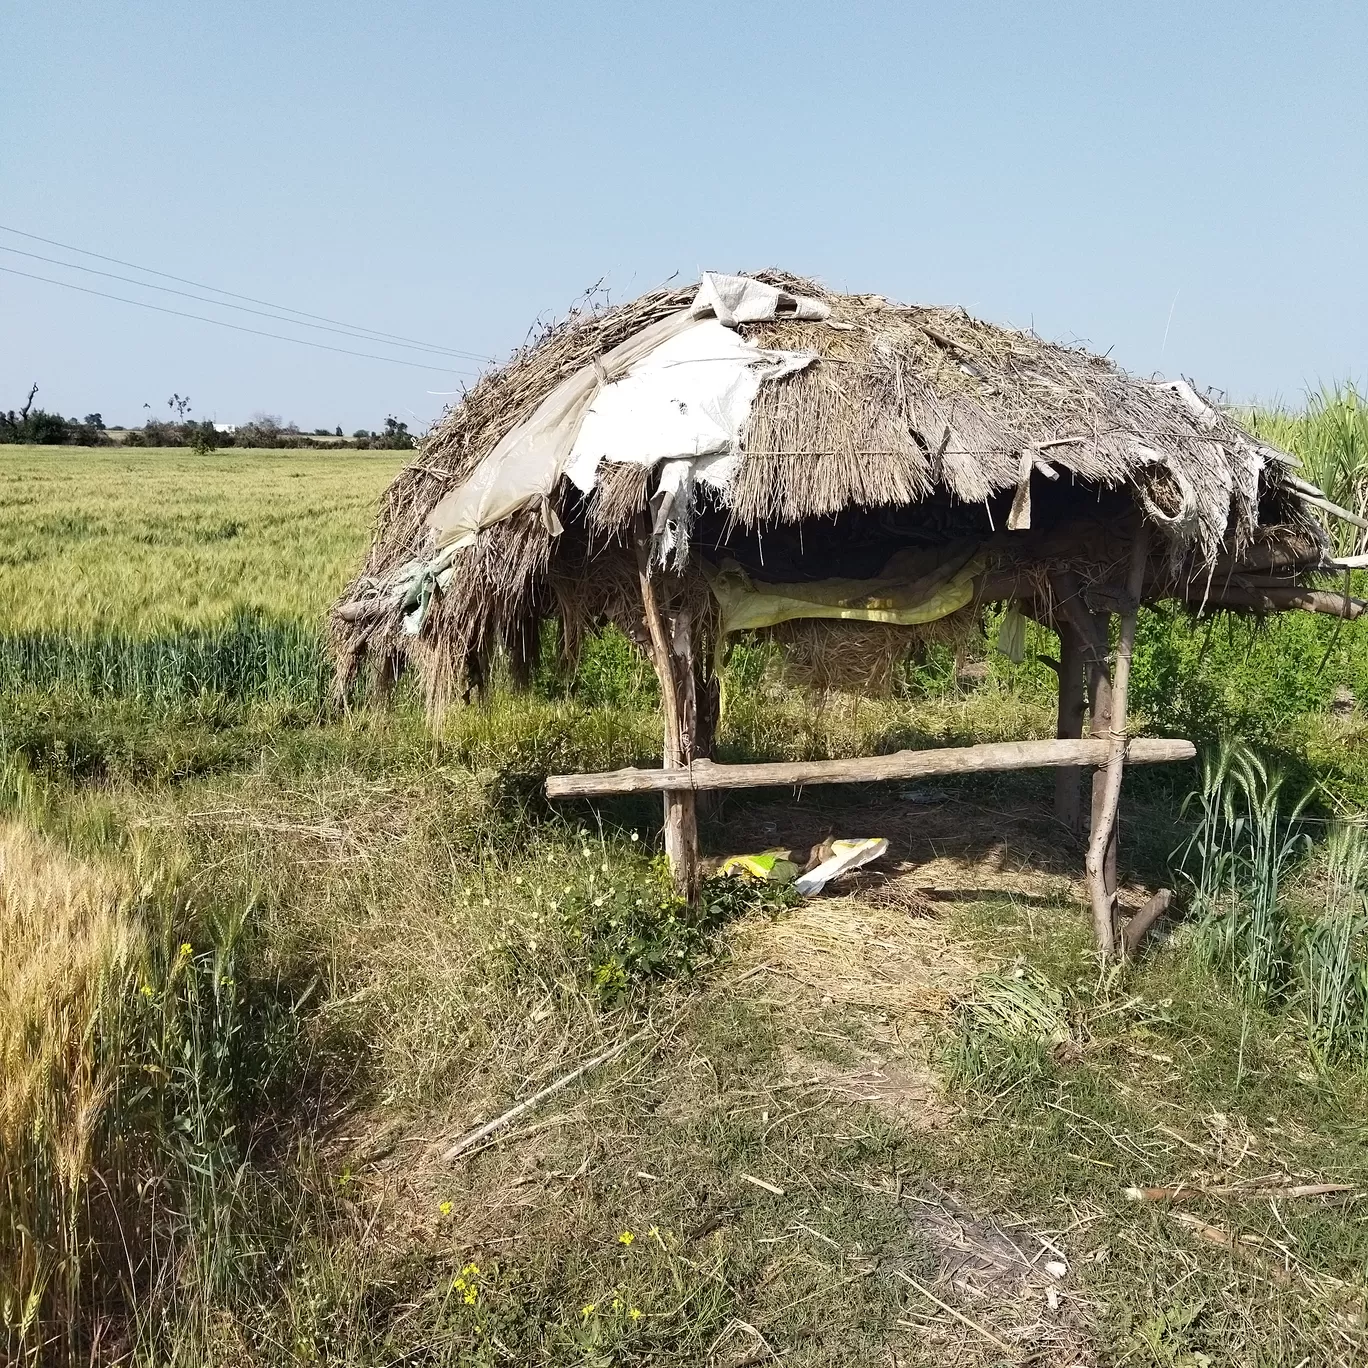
(845, 856)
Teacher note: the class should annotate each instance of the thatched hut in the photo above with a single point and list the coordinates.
(760, 453)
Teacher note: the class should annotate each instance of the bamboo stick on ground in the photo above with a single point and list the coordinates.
(512, 1114)
(1292, 1192)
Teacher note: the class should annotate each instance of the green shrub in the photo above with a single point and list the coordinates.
(619, 922)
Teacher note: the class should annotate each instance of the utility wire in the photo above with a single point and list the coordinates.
(236, 327)
(200, 285)
(223, 304)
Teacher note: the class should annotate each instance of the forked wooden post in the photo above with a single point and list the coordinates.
(1100, 728)
(1091, 630)
(1102, 897)
(672, 656)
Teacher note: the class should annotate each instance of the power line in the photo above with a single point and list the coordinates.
(223, 304)
(200, 285)
(236, 327)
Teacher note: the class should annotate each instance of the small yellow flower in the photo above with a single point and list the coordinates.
(635, 1313)
(444, 1208)
(186, 948)
(146, 990)
(617, 1304)
(472, 1295)
(471, 1270)
(626, 1237)
(586, 1310)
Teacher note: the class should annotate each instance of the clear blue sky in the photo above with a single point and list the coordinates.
(451, 172)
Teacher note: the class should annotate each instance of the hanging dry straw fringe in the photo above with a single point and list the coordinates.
(905, 405)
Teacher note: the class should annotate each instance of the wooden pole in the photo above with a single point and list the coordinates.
(992, 757)
(1099, 727)
(681, 816)
(1092, 631)
(1103, 834)
(1274, 598)
(1072, 701)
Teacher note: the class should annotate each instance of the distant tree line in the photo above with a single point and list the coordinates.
(38, 427)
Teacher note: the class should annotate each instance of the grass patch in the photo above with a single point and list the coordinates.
(1175, 1080)
(247, 659)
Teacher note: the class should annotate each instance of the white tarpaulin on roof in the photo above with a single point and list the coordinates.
(527, 462)
(690, 397)
(739, 299)
(635, 405)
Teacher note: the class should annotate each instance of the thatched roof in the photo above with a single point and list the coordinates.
(922, 419)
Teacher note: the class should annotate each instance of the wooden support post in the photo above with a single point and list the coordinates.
(1102, 897)
(1100, 727)
(1072, 701)
(679, 705)
(1091, 630)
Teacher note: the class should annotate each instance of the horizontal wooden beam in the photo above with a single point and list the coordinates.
(999, 755)
(1269, 599)
(1308, 493)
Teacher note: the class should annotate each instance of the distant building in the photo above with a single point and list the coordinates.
(228, 428)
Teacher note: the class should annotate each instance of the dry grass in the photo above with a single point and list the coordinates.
(853, 955)
(66, 945)
(860, 658)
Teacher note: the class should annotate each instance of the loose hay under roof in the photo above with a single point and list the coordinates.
(924, 413)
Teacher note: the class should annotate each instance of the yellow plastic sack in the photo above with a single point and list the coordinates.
(772, 868)
(914, 587)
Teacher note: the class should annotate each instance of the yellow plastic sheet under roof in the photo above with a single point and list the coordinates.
(916, 586)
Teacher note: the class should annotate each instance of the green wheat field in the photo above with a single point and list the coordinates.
(267, 956)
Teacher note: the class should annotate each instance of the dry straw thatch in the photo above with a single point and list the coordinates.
(916, 425)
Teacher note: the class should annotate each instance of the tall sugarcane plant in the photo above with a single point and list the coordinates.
(1236, 863)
